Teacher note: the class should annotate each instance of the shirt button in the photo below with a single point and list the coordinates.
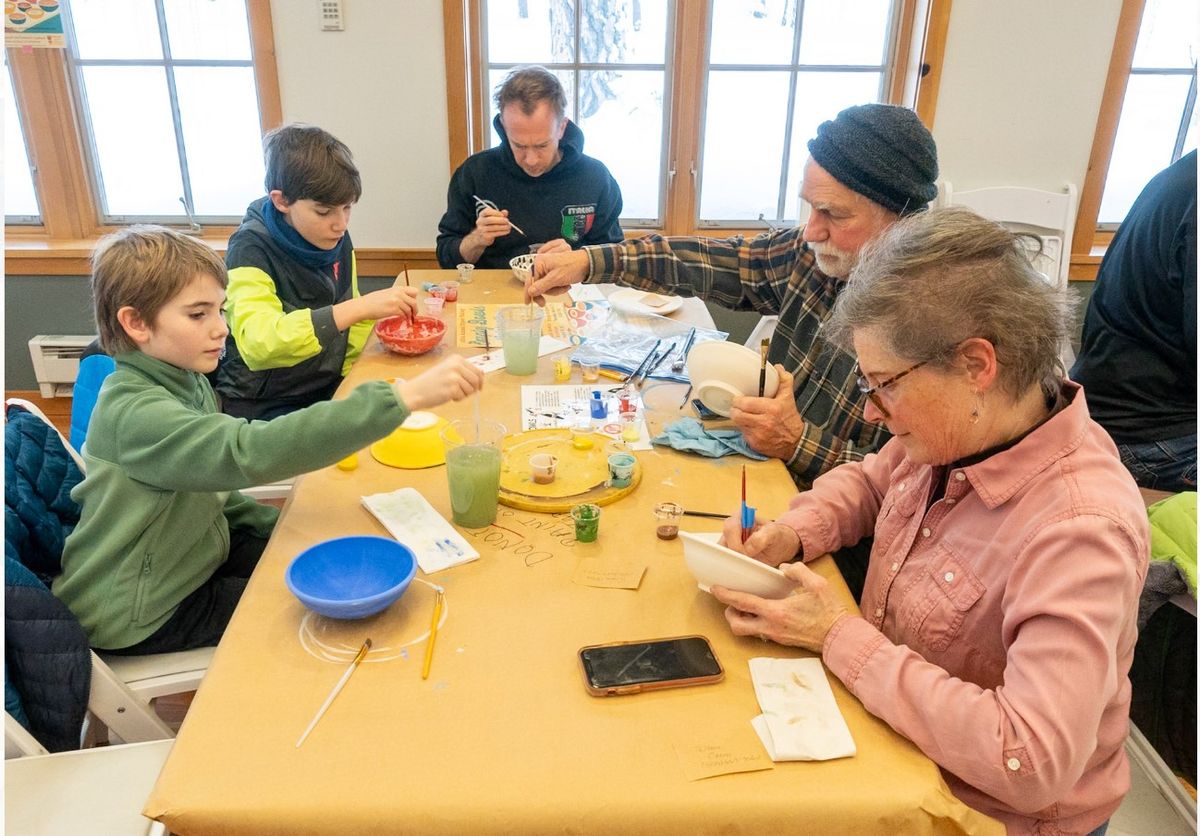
(895, 567)
(1013, 764)
(902, 485)
(949, 576)
(925, 532)
(951, 501)
(879, 612)
(960, 476)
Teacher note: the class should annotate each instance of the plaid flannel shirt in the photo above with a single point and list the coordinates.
(775, 274)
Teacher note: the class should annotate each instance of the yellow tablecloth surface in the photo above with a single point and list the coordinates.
(502, 737)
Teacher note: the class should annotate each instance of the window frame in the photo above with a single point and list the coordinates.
(912, 78)
(46, 99)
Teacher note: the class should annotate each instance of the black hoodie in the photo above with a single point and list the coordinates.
(577, 200)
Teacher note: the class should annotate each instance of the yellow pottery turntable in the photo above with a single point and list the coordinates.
(581, 475)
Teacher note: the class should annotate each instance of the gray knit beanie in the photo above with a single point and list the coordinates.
(881, 151)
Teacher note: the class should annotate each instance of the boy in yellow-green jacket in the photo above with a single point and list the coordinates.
(165, 543)
(296, 319)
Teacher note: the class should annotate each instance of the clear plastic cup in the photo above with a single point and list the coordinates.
(667, 516)
(591, 372)
(631, 428)
(434, 305)
(465, 273)
(562, 369)
(620, 469)
(521, 334)
(473, 471)
(587, 522)
(451, 289)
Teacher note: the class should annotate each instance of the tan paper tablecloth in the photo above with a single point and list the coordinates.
(502, 737)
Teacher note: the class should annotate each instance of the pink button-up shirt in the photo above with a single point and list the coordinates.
(999, 622)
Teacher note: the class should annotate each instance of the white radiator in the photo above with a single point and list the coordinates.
(56, 362)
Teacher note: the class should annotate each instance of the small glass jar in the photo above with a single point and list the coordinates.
(631, 427)
(587, 522)
(590, 371)
(562, 369)
(465, 273)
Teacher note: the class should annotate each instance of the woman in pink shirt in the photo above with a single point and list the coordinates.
(999, 615)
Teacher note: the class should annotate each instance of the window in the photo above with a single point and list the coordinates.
(20, 200)
(1158, 117)
(153, 115)
(701, 110)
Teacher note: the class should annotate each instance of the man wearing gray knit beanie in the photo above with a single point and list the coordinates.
(868, 166)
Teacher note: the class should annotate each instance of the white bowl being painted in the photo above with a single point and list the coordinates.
(522, 267)
(715, 565)
(721, 371)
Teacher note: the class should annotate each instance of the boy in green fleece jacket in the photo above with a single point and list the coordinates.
(165, 543)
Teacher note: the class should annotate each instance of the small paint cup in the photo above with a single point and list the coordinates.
(620, 469)
(434, 305)
(542, 467)
(451, 289)
(465, 272)
(562, 369)
(587, 522)
(581, 437)
(631, 429)
(591, 372)
(667, 516)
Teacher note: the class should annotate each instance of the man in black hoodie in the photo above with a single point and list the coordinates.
(538, 177)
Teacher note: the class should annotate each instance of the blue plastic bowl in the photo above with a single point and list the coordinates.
(351, 577)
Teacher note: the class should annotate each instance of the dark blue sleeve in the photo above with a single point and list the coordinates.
(457, 223)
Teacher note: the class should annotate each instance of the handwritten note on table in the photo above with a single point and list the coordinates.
(609, 574)
(706, 754)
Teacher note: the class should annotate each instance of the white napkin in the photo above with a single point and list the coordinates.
(800, 719)
(410, 518)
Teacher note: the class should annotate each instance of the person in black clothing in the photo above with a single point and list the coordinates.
(538, 177)
(1137, 362)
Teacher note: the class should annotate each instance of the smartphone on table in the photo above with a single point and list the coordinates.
(632, 667)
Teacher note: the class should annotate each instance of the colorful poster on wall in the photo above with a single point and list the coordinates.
(33, 24)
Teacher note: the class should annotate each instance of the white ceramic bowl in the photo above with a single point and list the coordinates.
(522, 267)
(721, 371)
(714, 565)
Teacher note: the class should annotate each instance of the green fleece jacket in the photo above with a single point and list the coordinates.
(160, 495)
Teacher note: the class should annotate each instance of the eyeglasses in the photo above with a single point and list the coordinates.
(872, 392)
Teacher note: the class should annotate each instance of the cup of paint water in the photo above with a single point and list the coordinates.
(587, 522)
(434, 304)
(620, 469)
(631, 426)
(542, 467)
(520, 333)
(451, 289)
(666, 517)
(465, 273)
(473, 470)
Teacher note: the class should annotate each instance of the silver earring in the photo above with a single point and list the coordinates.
(978, 408)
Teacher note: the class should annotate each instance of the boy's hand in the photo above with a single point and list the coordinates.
(391, 301)
(450, 380)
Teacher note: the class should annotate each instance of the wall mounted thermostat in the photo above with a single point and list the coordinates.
(331, 15)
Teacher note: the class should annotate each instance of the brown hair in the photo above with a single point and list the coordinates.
(144, 267)
(528, 87)
(307, 163)
(937, 278)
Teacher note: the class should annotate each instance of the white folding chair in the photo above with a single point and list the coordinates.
(1048, 215)
(98, 790)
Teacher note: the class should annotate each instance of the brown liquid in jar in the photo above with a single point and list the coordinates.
(667, 532)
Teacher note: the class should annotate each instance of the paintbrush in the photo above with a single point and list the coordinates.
(706, 514)
(747, 511)
(633, 377)
(481, 203)
(762, 370)
(337, 689)
(438, 603)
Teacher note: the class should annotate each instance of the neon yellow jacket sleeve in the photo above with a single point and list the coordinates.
(266, 337)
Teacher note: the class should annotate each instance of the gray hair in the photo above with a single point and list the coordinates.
(940, 277)
(527, 87)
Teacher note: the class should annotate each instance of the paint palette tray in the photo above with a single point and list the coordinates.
(581, 475)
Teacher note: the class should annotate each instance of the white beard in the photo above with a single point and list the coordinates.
(834, 262)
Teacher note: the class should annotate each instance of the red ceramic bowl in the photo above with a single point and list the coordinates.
(399, 335)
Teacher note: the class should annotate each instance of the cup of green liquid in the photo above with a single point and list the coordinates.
(473, 470)
(521, 331)
(587, 522)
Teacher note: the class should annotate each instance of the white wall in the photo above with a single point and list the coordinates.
(1021, 88)
(380, 87)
